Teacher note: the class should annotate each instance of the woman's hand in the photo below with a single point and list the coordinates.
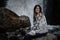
(32, 32)
(41, 14)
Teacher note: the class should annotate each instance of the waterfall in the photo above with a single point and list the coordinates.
(24, 7)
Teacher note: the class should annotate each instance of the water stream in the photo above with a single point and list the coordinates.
(24, 7)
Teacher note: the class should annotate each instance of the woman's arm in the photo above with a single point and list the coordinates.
(36, 23)
(42, 25)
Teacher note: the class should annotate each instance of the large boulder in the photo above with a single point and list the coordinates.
(12, 26)
(24, 21)
(10, 21)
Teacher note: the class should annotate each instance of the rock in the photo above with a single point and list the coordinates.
(48, 37)
(11, 25)
(10, 21)
(24, 21)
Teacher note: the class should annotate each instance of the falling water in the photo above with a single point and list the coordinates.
(24, 7)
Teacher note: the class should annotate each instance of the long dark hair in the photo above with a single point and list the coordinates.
(34, 19)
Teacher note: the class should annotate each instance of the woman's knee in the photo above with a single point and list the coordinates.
(27, 37)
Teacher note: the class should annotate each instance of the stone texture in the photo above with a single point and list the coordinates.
(11, 21)
(24, 21)
(12, 26)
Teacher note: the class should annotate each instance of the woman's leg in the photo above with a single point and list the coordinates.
(28, 37)
(39, 35)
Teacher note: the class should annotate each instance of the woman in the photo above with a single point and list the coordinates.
(40, 25)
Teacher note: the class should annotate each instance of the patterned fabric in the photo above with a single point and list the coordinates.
(40, 25)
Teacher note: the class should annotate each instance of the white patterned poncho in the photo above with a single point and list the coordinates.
(40, 25)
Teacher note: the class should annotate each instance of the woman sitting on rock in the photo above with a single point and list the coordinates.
(40, 25)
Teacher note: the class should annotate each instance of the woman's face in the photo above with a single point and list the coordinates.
(37, 10)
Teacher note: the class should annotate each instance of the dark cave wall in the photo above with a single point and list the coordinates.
(52, 11)
(56, 12)
(49, 11)
(3, 3)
